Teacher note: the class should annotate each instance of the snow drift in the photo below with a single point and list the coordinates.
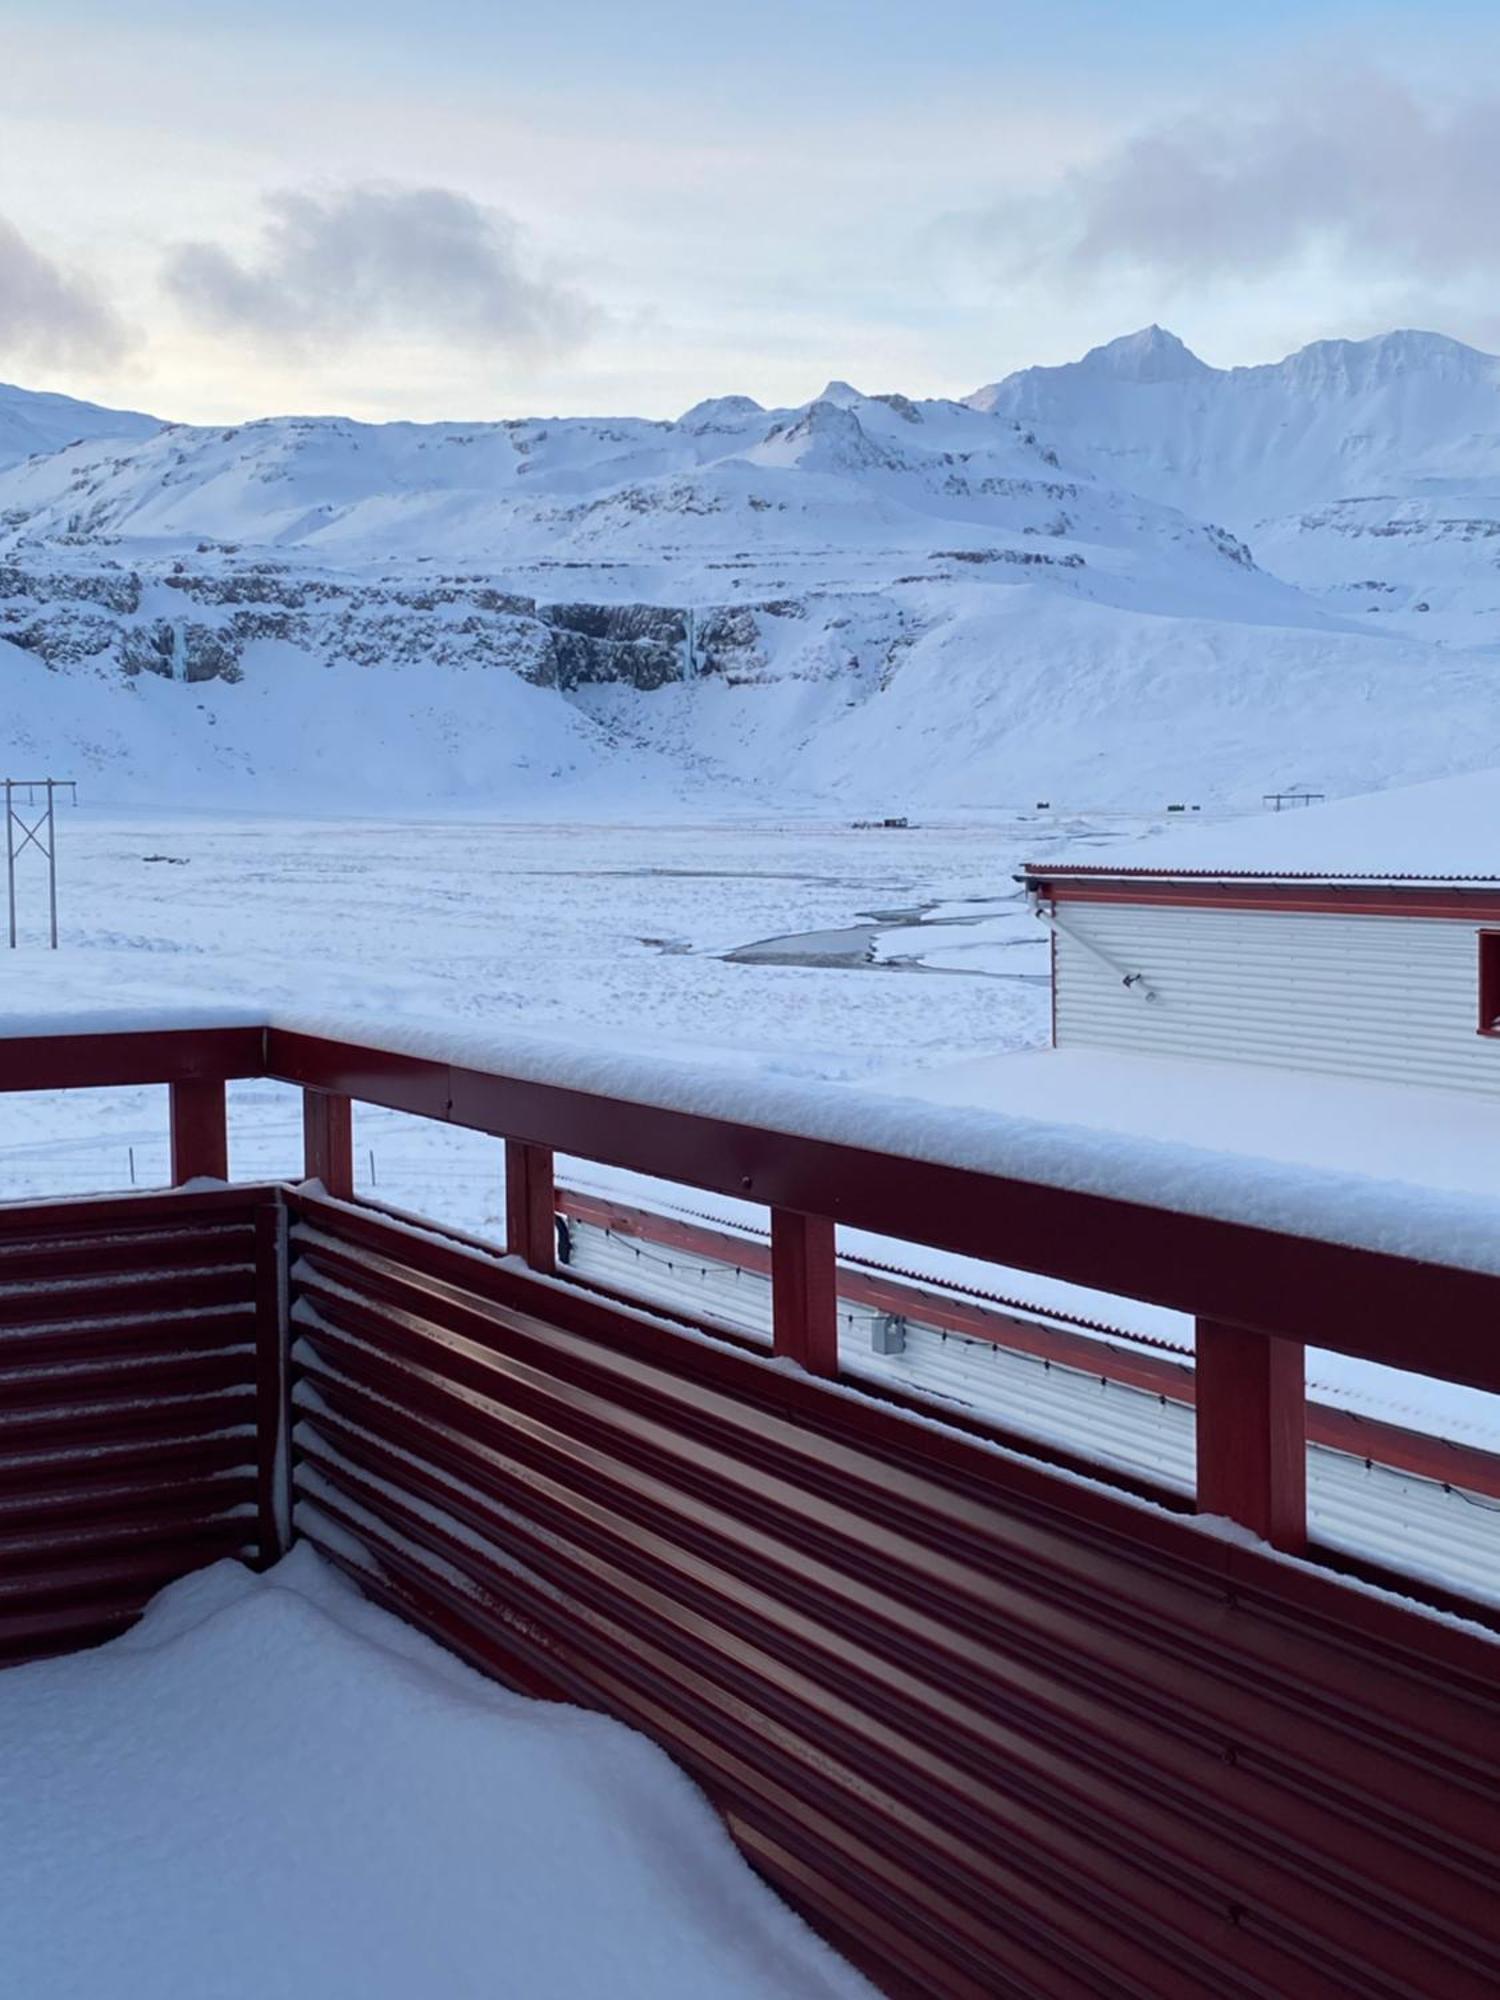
(271, 1788)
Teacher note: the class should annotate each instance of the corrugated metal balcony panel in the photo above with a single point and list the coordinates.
(127, 1408)
(993, 1731)
(1389, 998)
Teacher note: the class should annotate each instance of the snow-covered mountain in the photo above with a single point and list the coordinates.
(33, 421)
(1126, 579)
(865, 482)
(1367, 470)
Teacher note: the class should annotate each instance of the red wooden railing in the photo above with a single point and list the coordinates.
(993, 1729)
(1258, 1296)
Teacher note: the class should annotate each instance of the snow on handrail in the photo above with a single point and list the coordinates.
(1454, 1228)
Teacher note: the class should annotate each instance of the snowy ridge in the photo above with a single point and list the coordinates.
(1367, 471)
(34, 423)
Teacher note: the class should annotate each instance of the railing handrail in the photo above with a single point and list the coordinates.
(1456, 1227)
(1435, 1314)
(1364, 1302)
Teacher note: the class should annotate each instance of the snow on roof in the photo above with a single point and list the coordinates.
(1390, 1132)
(1447, 830)
(1392, 1135)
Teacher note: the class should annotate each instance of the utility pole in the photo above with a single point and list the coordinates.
(40, 833)
(10, 858)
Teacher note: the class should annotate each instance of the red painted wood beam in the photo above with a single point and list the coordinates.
(1336, 899)
(1252, 1433)
(530, 1205)
(169, 1055)
(328, 1141)
(1383, 1307)
(804, 1291)
(200, 1130)
(25, 1225)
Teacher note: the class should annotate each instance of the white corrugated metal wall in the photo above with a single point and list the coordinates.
(1391, 998)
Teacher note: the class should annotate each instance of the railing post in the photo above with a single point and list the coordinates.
(328, 1142)
(200, 1131)
(804, 1291)
(1252, 1432)
(273, 1410)
(530, 1205)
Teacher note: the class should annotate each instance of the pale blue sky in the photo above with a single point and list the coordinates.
(485, 209)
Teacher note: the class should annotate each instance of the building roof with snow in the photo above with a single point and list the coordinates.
(1443, 832)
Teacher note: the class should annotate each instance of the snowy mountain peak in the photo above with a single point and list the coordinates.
(1048, 590)
(1149, 358)
(843, 395)
(1332, 366)
(1151, 355)
(825, 437)
(718, 413)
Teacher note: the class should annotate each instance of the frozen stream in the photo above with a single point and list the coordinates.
(1006, 943)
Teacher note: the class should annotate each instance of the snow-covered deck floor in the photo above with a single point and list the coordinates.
(270, 1788)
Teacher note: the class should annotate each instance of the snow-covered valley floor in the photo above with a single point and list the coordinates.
(605, 934)
(271, 1789)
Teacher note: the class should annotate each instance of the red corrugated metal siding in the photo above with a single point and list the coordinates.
(995, 1731)
(127, 1406)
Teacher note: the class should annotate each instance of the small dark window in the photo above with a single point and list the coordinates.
(1489, 982)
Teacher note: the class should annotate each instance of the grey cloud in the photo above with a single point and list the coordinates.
(1360, 169)
(50, 314)
(380, 260)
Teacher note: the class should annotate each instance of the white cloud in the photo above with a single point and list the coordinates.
(1360, 173)
(379, 260)
(49, 314)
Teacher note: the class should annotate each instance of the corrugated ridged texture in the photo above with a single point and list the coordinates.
(127, 1406)
(995, 1731)
(1390, 998)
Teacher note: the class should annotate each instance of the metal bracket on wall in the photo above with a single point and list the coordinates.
(1135, 982)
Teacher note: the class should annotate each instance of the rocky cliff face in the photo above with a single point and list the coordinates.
(193, 621)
